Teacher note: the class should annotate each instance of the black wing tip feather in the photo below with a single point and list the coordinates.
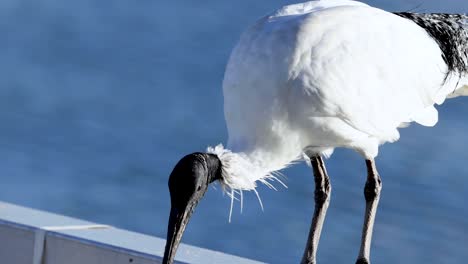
(450, 31)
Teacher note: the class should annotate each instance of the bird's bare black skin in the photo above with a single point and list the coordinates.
(188, 183)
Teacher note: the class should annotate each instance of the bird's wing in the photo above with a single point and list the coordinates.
(341, 60)
(370, 68)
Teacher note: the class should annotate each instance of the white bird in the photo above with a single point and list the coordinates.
(315, 76)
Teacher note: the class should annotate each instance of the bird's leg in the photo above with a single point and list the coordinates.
(322, 199)
(372, 195)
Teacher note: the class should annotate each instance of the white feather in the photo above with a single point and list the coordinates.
(324, 74)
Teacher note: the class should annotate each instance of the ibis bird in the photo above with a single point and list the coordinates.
(312, 77)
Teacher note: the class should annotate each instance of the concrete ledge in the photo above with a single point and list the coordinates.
(29, 236)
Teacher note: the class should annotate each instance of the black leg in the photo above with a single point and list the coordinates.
(322, 199)
(372, 195)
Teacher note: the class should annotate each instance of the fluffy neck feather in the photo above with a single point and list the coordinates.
(241, 171)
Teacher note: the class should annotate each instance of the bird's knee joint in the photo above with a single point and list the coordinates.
(323, 194)
(372, 189)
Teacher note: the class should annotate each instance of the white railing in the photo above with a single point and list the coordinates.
(29, 236)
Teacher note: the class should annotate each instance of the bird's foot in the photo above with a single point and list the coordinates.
(362, 261)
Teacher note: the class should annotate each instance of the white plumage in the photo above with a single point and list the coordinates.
(315, 76)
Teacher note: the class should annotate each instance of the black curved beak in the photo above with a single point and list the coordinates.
(178, 220)
(188, 183)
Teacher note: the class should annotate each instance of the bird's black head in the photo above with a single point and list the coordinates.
(188, 183)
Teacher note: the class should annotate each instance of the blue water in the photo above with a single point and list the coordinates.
(99, 99)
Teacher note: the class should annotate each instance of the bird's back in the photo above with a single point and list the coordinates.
(327, 74)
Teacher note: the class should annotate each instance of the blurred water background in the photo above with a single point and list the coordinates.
(99, 99)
